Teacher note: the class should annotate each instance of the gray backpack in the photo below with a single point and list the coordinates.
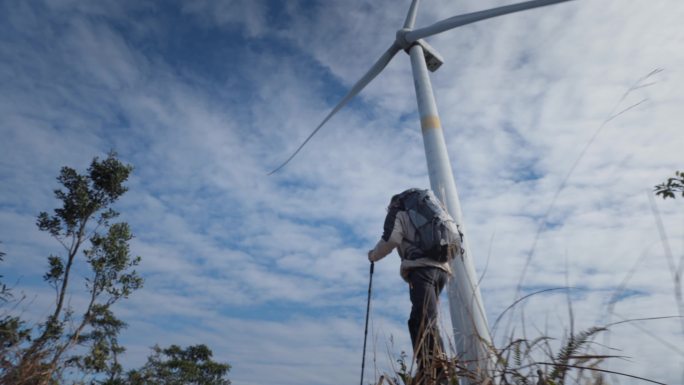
(438, 236)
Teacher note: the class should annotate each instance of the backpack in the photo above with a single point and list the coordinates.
(438, 236)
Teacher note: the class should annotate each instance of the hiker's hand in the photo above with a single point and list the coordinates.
(370, 255)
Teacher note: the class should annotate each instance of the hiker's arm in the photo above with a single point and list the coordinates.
(384, 247)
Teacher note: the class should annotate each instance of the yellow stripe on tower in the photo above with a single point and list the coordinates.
(431, 121)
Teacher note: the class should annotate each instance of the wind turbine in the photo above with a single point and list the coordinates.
(471, 333)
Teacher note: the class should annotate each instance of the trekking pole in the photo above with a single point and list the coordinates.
(365, 332)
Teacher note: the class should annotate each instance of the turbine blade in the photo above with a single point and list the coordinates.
(379, 65)
(457, 21)
(411, 16)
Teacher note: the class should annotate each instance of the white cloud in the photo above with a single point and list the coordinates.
(248, 15)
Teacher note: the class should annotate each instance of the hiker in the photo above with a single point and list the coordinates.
(426, 275)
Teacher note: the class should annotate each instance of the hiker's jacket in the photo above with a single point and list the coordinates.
(400, 235)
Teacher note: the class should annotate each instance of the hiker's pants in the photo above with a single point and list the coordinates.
(425, 285)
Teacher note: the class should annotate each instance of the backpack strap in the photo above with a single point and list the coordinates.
(396, 205)
(388, 227)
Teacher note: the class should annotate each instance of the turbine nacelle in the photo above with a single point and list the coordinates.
(432, 58)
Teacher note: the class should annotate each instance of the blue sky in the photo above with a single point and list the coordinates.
(204, 98)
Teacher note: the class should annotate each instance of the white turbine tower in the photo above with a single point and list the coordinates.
(471, 333)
